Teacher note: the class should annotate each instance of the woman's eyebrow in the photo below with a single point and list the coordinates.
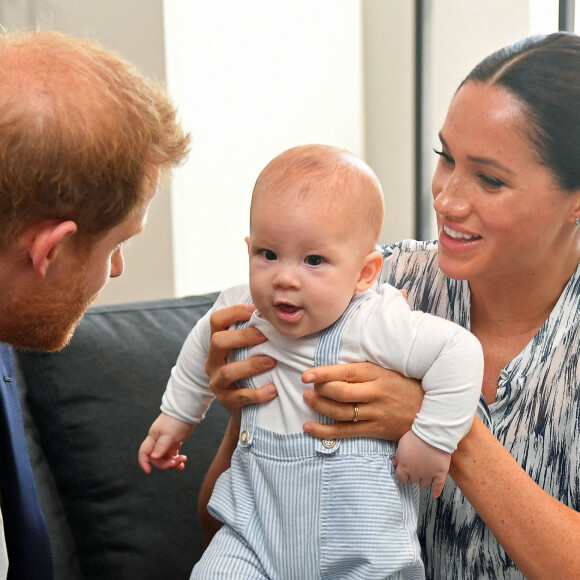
(481, 160)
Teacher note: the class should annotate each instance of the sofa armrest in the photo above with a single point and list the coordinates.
(92, 404)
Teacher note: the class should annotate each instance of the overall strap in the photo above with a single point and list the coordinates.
(327, 353)
(249, 411)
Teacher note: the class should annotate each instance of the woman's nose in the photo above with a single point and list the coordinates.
(450, 195)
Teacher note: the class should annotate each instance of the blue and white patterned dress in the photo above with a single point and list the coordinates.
(536, 415)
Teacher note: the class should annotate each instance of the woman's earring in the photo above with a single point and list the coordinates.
(578, 221)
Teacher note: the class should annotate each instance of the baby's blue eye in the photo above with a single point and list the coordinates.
(314, 260)
(269, 255)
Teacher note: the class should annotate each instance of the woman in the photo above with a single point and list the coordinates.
(507, 196)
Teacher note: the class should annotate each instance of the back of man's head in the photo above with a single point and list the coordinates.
(83, 134)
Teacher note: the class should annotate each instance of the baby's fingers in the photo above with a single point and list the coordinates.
(438, 484)
(163, 446)
(145, 453)
(170, 462)
(402, 475)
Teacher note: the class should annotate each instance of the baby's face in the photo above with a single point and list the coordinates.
(304, 266)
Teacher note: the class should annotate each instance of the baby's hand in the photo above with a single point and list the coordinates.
(419, 462)
(162, 444)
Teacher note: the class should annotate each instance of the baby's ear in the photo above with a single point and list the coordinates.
(372, 265)
(247, 238)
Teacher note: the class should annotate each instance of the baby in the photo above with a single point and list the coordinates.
(295, 506)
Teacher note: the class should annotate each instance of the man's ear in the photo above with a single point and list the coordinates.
(46, 241)
(372, 265)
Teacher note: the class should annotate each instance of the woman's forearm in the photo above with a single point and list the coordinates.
(221, 462)
(540, 534)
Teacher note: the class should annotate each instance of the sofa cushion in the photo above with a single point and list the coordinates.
(93, 403)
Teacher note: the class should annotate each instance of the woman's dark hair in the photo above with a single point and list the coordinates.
(543, 72)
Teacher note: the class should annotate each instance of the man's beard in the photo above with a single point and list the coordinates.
(47, 320)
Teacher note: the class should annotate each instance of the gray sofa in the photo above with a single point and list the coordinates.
(87, 408)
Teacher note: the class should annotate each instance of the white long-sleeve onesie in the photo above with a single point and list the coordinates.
(384, 330)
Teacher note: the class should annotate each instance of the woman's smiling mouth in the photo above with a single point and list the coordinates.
(459, 235)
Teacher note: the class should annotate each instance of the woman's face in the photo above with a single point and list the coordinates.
(500, 212)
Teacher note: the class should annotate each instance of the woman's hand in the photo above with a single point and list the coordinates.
(387, 401)
(223, 375)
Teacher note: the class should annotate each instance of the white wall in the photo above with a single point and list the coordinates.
(251, 79)
(389, 85)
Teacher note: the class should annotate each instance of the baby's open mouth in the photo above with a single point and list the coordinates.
(288, 308)
(288, 312)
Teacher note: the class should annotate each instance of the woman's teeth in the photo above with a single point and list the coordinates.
(459, 235)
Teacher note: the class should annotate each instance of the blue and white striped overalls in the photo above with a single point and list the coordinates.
(300, 508)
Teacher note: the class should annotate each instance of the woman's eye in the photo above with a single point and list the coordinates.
(314, 260)
(444, 156)
(492, 182)
(269, 255)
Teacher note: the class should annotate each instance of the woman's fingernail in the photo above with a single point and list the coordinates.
(267, 361)
(309, 378)
(272, 390)
(307, 427)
